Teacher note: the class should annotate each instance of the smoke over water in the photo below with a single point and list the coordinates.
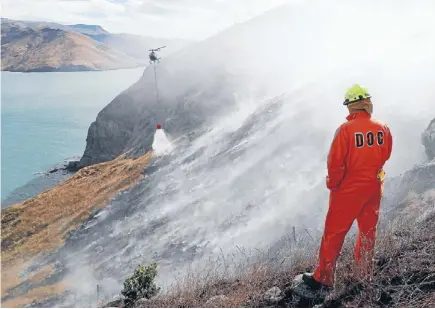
(254, 173)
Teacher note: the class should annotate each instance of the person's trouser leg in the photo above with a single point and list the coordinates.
(343, 209)
(367, 222)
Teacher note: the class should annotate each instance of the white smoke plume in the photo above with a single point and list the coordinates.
(161, 144)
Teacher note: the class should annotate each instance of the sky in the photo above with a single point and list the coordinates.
(187, 19)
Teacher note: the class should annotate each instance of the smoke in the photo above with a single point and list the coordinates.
(259, 169)
(161, 144)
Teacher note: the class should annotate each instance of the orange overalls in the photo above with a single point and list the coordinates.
(360, 148)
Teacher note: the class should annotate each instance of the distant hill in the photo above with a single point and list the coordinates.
(27, 49)
(137, 46)
(29, 46)
(89, 30)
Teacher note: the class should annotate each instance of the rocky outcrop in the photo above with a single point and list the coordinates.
(127, 124)
(428, 139)
(72, 166)
(412, 194)
(417, 184)
(110, 133)
(273, 296)
(195, 85)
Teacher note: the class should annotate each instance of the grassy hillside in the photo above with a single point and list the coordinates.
(40, 225)
(26, 49)
(404, 275)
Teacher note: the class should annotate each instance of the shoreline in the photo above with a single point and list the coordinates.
(35, 231)
(41, 182)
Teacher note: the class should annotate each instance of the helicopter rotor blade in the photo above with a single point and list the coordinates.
(156, 49)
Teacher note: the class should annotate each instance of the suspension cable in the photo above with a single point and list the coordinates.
(157, 87)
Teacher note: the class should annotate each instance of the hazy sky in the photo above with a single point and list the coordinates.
(192, 19)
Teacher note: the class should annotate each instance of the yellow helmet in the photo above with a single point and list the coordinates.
(356, 93)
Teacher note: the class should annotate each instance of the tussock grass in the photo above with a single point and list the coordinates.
(403, 276)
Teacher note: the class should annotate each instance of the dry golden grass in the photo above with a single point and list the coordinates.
(42, 274)
(10, 276)
(404, 276)
(243, 281)
(404, 271)
(35, 294)
(40, 224)
(245, 289)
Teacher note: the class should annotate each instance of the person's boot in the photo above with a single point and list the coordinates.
(309, 280)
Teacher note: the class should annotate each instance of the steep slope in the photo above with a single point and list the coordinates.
(267, 56)
(132, 230)
(39, 225)
(251, 130)
(403, 275)
(252, 112)
(27, 49)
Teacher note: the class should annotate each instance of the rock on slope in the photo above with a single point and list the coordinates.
(27, 49)
(428, 139)
(414, 189)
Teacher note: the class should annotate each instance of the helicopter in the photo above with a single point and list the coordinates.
(153, 57)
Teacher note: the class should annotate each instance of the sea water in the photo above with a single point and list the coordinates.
(45, 118)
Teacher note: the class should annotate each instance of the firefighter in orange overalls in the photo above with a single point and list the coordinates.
(360, 148)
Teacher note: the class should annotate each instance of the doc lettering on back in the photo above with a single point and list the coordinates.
(369, 139)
